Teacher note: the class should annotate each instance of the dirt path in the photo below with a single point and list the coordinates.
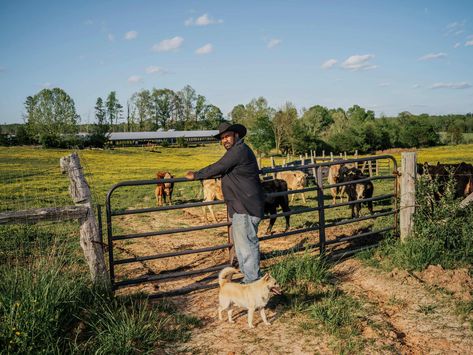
(414, 317)
(401, 315)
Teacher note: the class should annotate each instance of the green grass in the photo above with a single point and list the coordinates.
(48, 305)
(441, 235)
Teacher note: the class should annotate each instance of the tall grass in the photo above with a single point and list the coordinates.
(442, 232)
(48, 305)
(298, 271)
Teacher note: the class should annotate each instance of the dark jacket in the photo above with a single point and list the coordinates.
(241, 185)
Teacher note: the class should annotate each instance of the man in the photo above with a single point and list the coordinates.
(242, 193)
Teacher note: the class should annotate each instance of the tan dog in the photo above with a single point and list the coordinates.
(252, 296)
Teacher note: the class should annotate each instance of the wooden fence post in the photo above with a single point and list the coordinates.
(272, 166)
(89, 232)
(356, 157)
(408, 193)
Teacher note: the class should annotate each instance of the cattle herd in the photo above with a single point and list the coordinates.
(360, 188)
(461, 173)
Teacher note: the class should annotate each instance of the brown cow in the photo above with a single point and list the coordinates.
(296, 180)
(212, 191)
(357, 191)
(163, 190)
(334, 178)
(462, 174)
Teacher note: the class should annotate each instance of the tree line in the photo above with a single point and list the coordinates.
(320, 128)
(51, 120)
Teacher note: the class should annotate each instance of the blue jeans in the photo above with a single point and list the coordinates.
(246, 242)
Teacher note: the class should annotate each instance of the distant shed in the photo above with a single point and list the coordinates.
(159, 137)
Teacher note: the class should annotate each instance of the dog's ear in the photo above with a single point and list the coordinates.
(266, 277)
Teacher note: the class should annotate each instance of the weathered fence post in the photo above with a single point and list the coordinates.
(356, 157)
(408, 193)
(272, 166)
(89, 232)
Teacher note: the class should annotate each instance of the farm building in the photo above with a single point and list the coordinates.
(160, 137)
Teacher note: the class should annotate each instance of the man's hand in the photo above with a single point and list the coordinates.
(190, 175)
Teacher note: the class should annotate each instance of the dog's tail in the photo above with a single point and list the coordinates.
(226, 275)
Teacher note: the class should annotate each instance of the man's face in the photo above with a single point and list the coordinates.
(228, 139)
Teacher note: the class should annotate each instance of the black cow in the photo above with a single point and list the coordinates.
(462, 174)
(271, 203)
(356, 191)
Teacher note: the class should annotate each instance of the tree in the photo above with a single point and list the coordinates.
(238, 114)
(316, 120)
(261, 135)
(357, 114)
(213, 117)
(100, 128)
(187, 101)
(283, 123)
(162, 103)
(142, 103)
(114, 109)
(50, 114)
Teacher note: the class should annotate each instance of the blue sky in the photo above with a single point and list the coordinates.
(386, 56)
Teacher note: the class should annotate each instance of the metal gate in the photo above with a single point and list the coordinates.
(385, 167)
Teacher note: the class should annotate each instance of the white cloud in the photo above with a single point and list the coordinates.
(135, 79)
(384, 84)
(167, 45)
(432, 56)
(273, 42)
(469, 43)
(111, 37)
(454, 28)
(203, 20)
(359, 62)
(46, 84)
(153, 69)
(131, 35)
(456, 45)
(462, 85)
(206, 49)
(328, 64)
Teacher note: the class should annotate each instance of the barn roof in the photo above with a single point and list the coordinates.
(120, 136)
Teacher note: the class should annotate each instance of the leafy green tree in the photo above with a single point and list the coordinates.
(238, 114)
(50, 114)
(187, 102)
(101, 128)
(358, 114)
(213, 117)
(283, 123)
(113, 108)
(163, 102)
(301, 139)
(142, 103)
(261, 135)
(316, 120)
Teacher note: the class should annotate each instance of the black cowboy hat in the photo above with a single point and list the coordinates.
(227, 127)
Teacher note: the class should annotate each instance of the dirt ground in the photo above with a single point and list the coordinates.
(407, 313)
